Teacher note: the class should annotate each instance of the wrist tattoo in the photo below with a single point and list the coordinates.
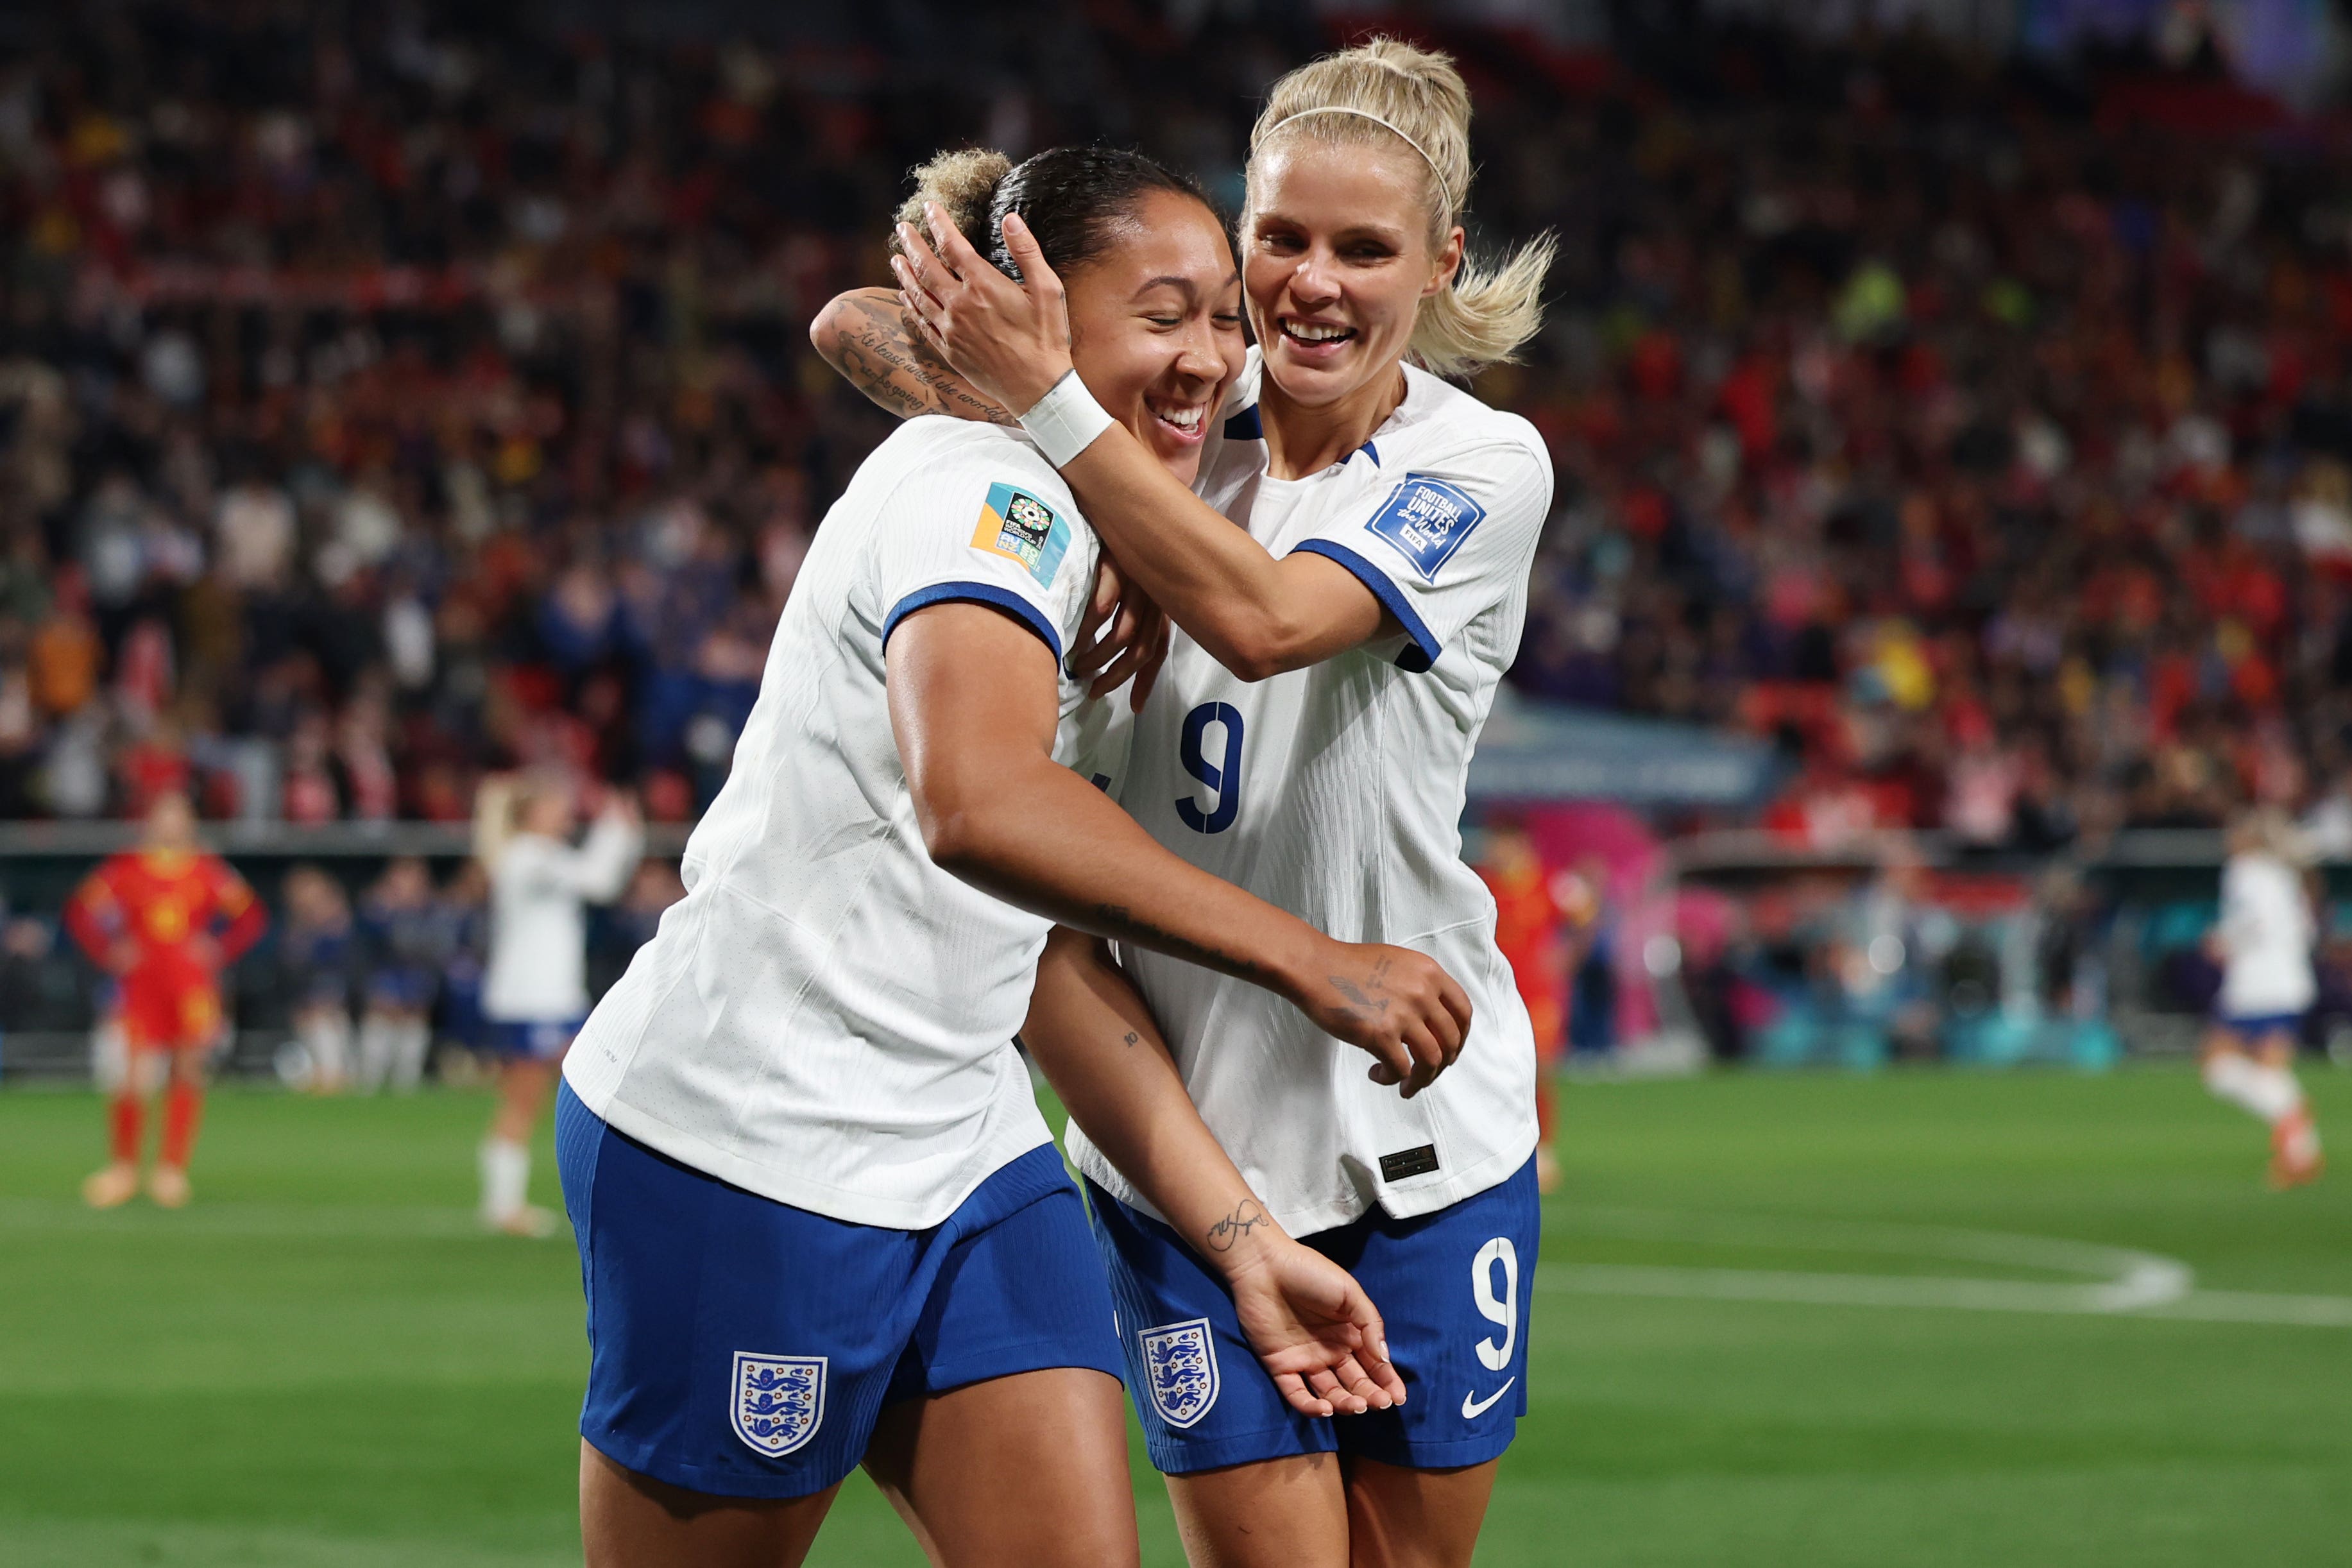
(1244, 1219)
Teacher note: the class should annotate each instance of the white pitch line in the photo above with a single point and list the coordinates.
(2114, 1265)
(1928, 1291)
(2261, 1307)
(2125, 1282)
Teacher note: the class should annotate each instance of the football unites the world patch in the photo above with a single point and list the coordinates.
(1180, 1361)
(778, 1402)
(1018, 526)
(1427, 519)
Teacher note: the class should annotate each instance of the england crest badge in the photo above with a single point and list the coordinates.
(1180, 1361)
(778, 1401)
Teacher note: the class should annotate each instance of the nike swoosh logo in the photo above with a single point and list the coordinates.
(1473, 1408)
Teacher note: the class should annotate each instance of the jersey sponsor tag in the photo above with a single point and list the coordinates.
(1426, 520)
(779, 1401)
(1018, 526)
(1406, 1162)
(1179, 1362)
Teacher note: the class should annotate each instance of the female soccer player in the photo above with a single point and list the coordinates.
(535, 992)
(2265, 937)
(821, 1220)
(166, 917)
(1309, 738)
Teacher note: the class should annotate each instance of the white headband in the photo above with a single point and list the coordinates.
(1443, 189)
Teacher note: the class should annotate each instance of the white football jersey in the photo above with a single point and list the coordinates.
(1336, 792)
(827, 1019)
(538, 972)
(2267, 931)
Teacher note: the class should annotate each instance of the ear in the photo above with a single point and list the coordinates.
(1447, 264)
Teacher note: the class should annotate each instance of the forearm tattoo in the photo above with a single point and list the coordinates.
(1121, 924)
(886, 358)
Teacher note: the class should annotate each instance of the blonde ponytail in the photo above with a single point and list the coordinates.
(1386, 92)
(1482, 317)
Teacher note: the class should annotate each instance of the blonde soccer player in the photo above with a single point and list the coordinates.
(535, 986)
(821, 1220)
(2264, 941)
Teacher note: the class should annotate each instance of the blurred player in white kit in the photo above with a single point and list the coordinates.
(2264, 938)
(535, 993)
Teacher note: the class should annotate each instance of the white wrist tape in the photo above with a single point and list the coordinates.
(1065, 421)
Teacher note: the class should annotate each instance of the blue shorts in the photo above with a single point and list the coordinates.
(1453, 1289)
(405, 987)
(2254, 1026)
(530, 1042)
(745, 1348)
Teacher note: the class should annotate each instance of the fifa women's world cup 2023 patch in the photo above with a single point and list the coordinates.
(1018, 526)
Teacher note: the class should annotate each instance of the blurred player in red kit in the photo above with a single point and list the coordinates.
(1528, 929)
(166, 919)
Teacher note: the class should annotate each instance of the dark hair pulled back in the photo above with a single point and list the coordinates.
(1074, 199)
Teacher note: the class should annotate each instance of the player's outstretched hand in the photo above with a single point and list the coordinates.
(1011, 340)
(1316, 1333)
(1394, 1003)
(1126, 638)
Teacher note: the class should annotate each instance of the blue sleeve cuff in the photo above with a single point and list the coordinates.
(1425, 648)
(989, 593)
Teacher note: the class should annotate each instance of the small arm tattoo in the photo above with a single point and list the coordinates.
(1222, 1235)
(1133, 1038)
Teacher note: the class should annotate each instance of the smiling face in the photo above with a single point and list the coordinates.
(1156, 326)
(1336, 258)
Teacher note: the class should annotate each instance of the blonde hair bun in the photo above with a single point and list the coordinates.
(964, 182)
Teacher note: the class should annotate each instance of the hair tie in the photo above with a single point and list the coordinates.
(1443, 189)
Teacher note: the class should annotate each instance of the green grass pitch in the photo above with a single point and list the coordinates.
(1780, 1320)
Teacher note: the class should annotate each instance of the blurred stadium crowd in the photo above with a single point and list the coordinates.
(354, 989)
(385, 402)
